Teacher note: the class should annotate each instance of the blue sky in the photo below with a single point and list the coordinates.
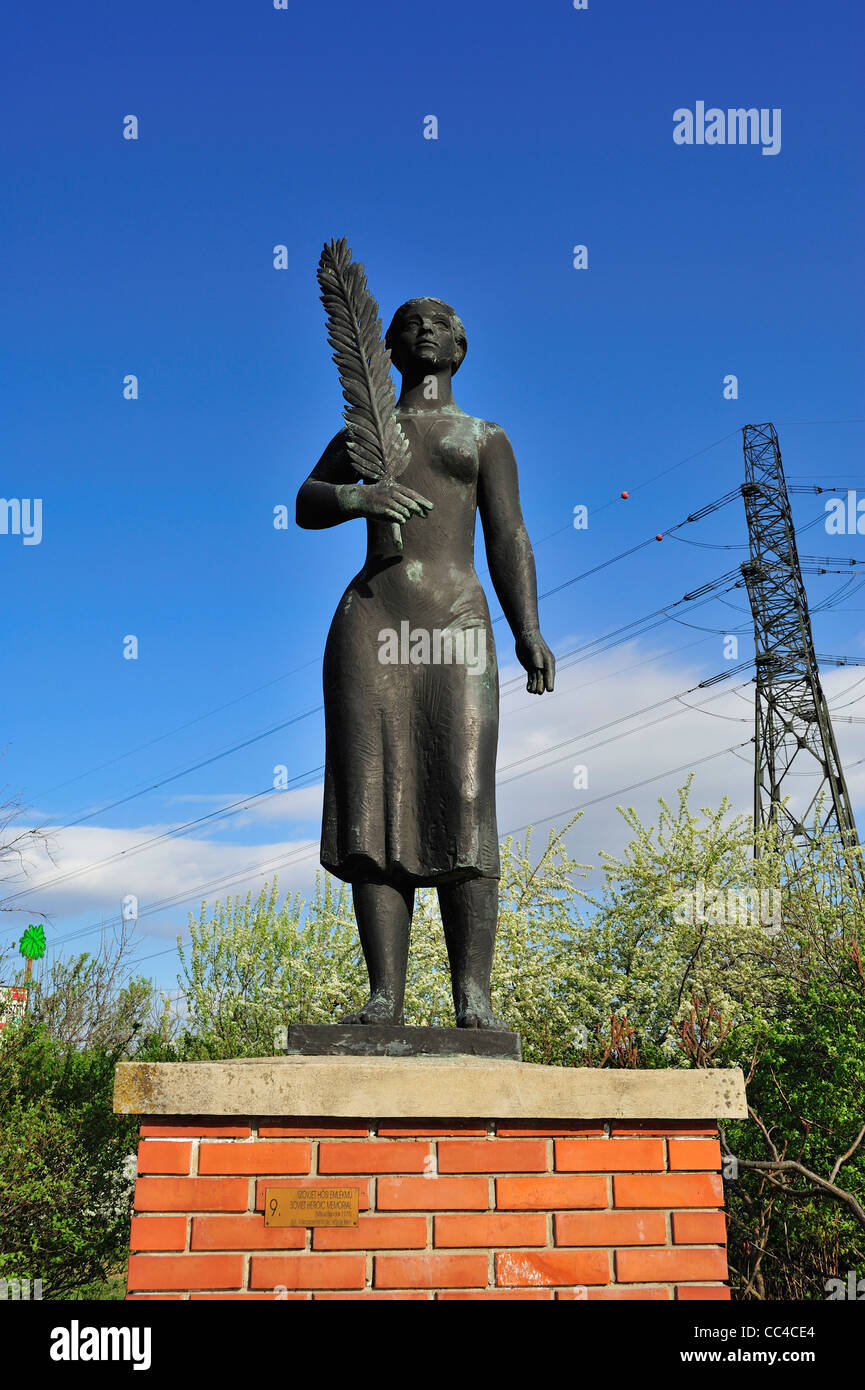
(260, 127)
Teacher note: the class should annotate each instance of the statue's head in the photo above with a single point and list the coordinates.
(427, 333)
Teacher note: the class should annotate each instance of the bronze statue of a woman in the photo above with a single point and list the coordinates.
(411, 691)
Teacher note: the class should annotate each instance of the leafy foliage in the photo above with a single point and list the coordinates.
(253, 965)
(64, 1189)
(65, 1180)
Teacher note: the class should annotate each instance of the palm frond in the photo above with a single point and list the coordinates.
(376, 444)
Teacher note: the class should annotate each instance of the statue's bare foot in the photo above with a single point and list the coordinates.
(377, 1009)
(481, 1017)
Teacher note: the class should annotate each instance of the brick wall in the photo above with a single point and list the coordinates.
(448, 1210)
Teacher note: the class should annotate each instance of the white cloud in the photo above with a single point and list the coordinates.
(78, 884)
(587, 696)
(583, 702)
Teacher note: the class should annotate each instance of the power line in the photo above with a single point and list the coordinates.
(673, 466)
(694, 516)
(538, 754)
(231, 809)
(299, 855)
(594, 511)
(141, 747)
(685, 767)
(84, 931)
(185, 894)
(310, 772)
(578, 752)
(603, 643)
(306, 665)
(575, 652)
(205, 762)
(566, 660)
(698, 515)
(570, 810)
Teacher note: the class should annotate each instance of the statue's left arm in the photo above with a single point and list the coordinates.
(510, 558)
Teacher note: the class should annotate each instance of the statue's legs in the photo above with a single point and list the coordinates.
(384, 914)
(469, 913)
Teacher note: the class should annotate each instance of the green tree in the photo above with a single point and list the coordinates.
(252, 965)
(65, 1180)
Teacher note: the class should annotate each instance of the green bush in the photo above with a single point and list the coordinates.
(64, 1195)
(65, 1185)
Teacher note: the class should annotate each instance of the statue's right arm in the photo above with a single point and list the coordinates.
(330, 493)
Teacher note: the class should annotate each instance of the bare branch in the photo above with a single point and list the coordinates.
(785, 1165)
(849, 1154)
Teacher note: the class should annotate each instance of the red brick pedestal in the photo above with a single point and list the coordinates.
(465, 1208)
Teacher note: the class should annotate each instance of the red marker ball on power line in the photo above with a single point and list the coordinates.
(659, 537)
(625, 495)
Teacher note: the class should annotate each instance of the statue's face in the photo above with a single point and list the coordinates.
(424, 338)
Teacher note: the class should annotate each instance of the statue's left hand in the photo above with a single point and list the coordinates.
(534, 654)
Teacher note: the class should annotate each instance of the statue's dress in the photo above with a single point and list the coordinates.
(409, 787)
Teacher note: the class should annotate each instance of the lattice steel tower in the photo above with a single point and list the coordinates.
(793, 727)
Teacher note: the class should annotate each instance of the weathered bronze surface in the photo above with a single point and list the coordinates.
(410, 675)
(386, 1040)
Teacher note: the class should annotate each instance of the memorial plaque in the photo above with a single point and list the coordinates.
(311, 1206)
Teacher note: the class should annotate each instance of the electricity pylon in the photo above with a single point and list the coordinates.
(793, 726)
